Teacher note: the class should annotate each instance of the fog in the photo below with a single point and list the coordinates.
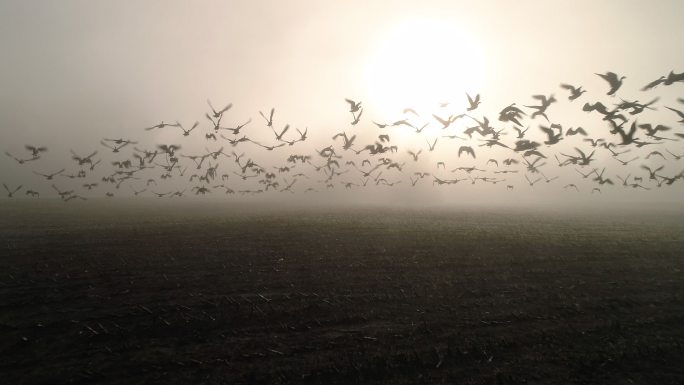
(76, 72)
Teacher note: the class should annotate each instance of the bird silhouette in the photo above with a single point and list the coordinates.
(219, 113)
(678, 112)
(353, 106)
(576, 131)
(467, 150)
(35, 151)
(10, 193)
(613, 80)
(575, 92)
(50, 176)
(473, 103)
(269, 120)
(414, 155)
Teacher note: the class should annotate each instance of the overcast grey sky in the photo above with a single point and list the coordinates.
(73, 72)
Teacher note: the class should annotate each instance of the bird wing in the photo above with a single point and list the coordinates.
(610, 77)
(444, 122)
(653, 84)
(470, 100)
(548, 131)
(678, 112)
(226, 108)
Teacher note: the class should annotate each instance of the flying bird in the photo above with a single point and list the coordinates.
(473, 103)
(467, 150)
(575, 92)
(10, 193)
(613, 80)
(219, 113)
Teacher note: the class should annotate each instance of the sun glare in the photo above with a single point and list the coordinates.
(421, 64)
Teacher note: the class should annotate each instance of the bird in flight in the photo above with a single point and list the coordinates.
(269, 120)
(473, 103)
(613, 80)
(35, 151)
(10, 193)
(353, 106)
(575, 92)
(218, 114)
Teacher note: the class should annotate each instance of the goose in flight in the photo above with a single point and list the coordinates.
(541, 109)
(492, 142)
(675, 156)
(652, 173)
(678, 112)
(625, 162)
(577, 131)
(553, 137)
(625, 180)
(600, 179)
(269, 120)
(575, 92)
(532, 183)
(652, 131)
(594, 142)
(548, 180)
(510, 161)
(235, 130)
(218, 114)
(138, 192)
(10, 193)
(353, 106)
(473, 103)
(35, 151)
(414, 155)
(187, 132)
(532, 167)
(20, 160)
(673, 77)
(653, 84)
(114, 148)
(357, 117)
(635, 106)
(467, 150)
(432, 146)
(161, 125)
(49, 176)
(169, 149)
(521, 133)
(511, 113)
(446, 122)
(279, 136)
(410, 110)
(571, 185)
(62, 194)
(613, 80)
(655, 153)
(83, 160)
(628, 137)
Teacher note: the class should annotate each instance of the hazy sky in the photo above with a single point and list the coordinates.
(73, 72)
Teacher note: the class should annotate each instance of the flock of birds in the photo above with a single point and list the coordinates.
(169, 170)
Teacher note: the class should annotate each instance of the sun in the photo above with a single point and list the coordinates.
(421, 64)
